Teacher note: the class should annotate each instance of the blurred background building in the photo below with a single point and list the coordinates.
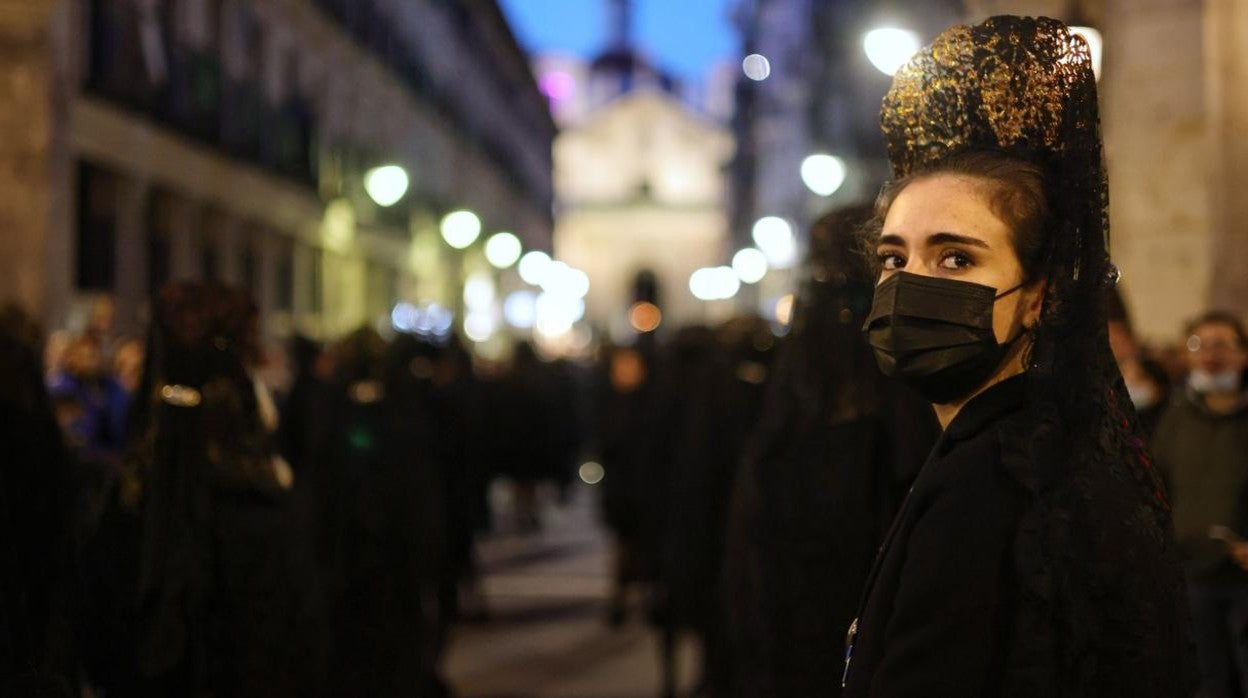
(657, 209)
(232, 139)
(152, 140)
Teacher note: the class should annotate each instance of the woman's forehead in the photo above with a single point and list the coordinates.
(944, 204)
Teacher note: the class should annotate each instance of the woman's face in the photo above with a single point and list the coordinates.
(943, 226)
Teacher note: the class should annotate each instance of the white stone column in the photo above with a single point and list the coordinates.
(1226, 52)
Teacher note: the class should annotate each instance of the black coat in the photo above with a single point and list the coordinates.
(936, 615)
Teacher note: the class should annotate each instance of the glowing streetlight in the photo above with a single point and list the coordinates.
(714, 283)
(750, 265)
(386, 184)
(502, 250)
(889, 48)
(533, 266)
(774, 236)
(756, 67)
(461, 228)
(823, 174)
(1095, 46)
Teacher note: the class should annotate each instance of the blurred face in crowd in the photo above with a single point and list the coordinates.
(944, 226)
(82, 359)
(128, 365)
(1214, 349)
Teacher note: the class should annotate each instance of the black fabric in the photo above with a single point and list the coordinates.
(935, 618)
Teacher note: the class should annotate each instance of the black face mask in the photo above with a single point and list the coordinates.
(935, 335)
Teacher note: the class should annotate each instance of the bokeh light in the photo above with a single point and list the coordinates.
(823, 174)
(889, 48)
(750, 265)
(756, 67)
(533, 267)
(502, 250)
(774, 236)
(386, 184)
(461, 228)
(645, 317)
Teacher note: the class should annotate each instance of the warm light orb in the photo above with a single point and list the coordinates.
(890, 48)
(386, 184)
(823, 174)
(784, 309)
(645, 317)
(461, 228)
(591, 473)
(750, 265)
(502, 250)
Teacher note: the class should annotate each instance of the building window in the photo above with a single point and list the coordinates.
(97, 228)
(160, 213)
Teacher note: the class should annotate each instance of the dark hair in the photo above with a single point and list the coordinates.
(1016, 193)
(1219, 317)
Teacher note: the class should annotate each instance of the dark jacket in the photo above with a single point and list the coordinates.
(1204, 459)
(935, 618)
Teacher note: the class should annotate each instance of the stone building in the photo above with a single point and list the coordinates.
(153, 140)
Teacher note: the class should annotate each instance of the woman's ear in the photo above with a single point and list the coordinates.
(1034, 303)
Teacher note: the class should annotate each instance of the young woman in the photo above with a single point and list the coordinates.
(1031, 556)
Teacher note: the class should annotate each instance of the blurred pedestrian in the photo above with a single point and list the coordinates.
(36, 493)
(195, 574)
(1147, 382)
(383, 541)
(624, 417)
(1031, 556)
(1201, 446)
(836, 447)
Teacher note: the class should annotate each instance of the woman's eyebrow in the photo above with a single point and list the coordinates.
(955, 239)
(892, 239)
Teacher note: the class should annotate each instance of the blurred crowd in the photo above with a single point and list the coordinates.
(188, 514)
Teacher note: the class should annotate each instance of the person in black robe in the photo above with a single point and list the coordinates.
(196, 570)
(382, 525)
(822, 478)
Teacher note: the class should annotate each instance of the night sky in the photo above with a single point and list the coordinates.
(685, 37)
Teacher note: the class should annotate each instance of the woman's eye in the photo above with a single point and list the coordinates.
(891, 261)
(955, 260)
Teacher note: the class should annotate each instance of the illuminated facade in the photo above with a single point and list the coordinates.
(640, 187)
(229, 139)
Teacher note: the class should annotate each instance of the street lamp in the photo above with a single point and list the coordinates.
(533, 266)
(461, 228)
(823, 174)
(750, 265)
(774, 236)
(386, 184)
(502, 250)
(889, 48)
